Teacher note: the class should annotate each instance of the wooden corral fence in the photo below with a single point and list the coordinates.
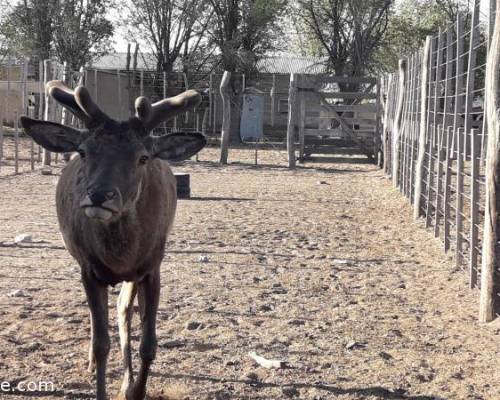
(115, 91)
(333, 114)
(434, 144)
(22, 92)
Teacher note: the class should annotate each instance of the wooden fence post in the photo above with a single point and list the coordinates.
(385, 129)
(119, 85)
(474, 209)
(459, 81)
(226, 116)
(292, 118)
(447, 188)
(378, 136)
(16, 142)
(2, 114)
(47, 76)
(471, 68)
(489, 302)
(273, 101)
(398, 122)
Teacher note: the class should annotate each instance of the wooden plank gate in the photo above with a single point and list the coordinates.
(333, 115)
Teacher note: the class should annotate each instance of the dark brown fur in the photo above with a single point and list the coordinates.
(126, 249)
(116, 204)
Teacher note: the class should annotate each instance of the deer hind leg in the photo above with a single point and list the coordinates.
(97, 298)
(148, 296)
(125, 313)
(91, 367)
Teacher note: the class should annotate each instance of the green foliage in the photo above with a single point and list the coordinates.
(75, 31)
(26, 27)
(408, 26)
(81, 31)
(245, 30)
(347, 32)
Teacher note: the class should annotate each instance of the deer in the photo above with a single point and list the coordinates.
(116, 202)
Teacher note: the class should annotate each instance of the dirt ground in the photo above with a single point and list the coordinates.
(322, 268)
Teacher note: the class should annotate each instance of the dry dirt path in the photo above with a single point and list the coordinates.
(301, 265)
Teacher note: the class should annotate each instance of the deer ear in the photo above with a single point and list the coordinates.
(175, 146)
(53, 137)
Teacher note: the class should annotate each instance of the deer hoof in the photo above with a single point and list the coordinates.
(91, 367)
(127, 394)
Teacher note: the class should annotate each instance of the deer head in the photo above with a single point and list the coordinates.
(115, 155)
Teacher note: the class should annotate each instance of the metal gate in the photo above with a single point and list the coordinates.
(337, 114)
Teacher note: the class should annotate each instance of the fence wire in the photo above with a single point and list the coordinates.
(454, 132)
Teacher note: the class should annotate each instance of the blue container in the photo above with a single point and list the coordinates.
(252, 115)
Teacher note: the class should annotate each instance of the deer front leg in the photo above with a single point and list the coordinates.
(91, 367)
(97, 298)
(125, 312)
(148, 296)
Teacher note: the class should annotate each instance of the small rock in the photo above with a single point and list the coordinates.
(193, 325)
(385, 356)
(341, 262)
(54, 314)
(46, 170)
(296, 322)
(32, 346)
(23, 238)
(354, 345)
(323, 183)
(203, 258)
(394, 333)
(17, 293)
(266, 307)
(290, 391)
(279, 289)
(252, 376)
(459, 375)
(172, 344)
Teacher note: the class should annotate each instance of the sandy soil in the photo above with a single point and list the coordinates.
(322, 268)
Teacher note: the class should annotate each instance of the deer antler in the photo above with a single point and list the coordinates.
(78, 102)
(163, 110)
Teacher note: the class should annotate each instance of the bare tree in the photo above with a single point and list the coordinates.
(27, 27)
(245, 30)
(453, 7)
(348, 31)
(82, 32)
(172, 30)
(75, 31)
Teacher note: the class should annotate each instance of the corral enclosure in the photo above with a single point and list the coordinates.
(318, 262)
(299, 269)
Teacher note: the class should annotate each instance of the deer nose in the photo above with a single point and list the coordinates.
(99, 196)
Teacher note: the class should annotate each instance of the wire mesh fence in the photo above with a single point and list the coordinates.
(448, 127)
(22, 86)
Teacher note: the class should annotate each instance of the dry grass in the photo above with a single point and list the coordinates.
(300, 264)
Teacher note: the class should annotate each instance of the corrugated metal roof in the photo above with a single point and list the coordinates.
(292, 64)
(119, 61)
(286, 64)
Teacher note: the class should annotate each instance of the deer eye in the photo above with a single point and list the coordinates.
(82, 153)
(143, 160)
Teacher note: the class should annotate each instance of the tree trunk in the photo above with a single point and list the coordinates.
(490, 277)
(225, 91)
